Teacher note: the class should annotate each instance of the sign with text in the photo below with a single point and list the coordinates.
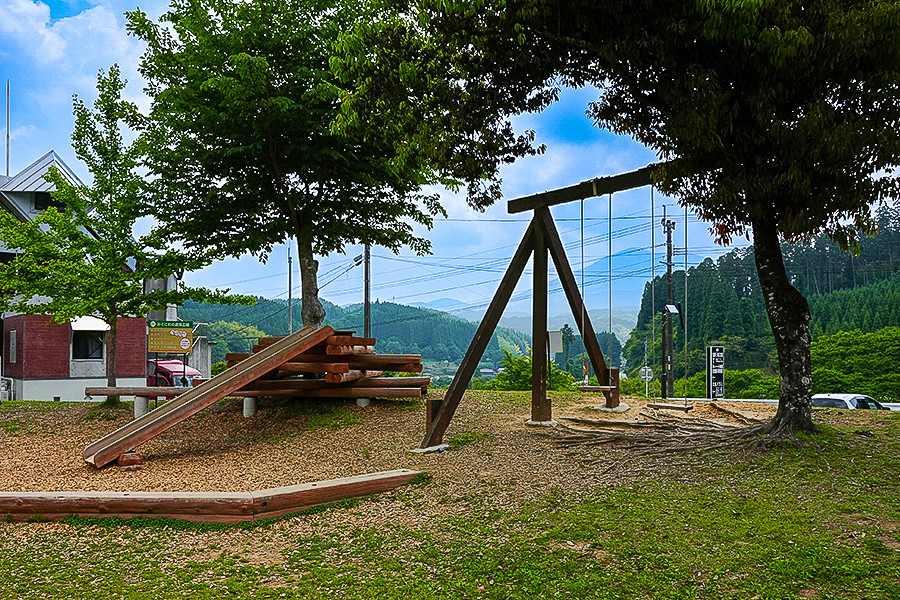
(715, 372)
(170, 336)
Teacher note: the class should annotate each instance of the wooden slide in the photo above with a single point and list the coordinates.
(125, 439)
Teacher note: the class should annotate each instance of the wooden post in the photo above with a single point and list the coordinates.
(541, 412)
(441, 418)
(570, 286)
(613, 400)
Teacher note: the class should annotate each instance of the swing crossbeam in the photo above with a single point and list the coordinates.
(586, 189)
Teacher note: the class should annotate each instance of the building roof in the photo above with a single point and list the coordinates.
(31, 178)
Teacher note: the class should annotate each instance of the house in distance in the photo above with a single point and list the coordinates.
(44, 361)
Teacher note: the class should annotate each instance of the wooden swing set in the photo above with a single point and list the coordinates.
(540, 238)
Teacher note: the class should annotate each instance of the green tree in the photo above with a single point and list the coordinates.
(243, 149)
(83, 259)
(516, 374)
(777, 117)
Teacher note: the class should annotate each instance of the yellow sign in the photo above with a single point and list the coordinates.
(170, 336)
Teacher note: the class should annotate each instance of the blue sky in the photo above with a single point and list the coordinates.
(52, 50)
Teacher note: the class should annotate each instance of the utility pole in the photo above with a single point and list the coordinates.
(367, 310)
(668, 340)
(290, 296)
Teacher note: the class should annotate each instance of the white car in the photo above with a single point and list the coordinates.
(846, 401)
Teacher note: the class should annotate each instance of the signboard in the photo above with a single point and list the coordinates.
(715, 372)
(646, 374)
(170, 336)
(554, 338)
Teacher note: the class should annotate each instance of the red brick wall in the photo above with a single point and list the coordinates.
(131, 348)
(16, 323)
(44, 351)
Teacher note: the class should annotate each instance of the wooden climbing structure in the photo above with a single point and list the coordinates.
(340, 366)
(337, 364)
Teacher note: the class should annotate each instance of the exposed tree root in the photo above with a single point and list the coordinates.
(671, 434)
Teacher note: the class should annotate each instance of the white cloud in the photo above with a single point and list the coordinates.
(28, 24)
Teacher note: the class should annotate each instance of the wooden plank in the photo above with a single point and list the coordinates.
(135, 391)
(277, 502)
(268, 341)
(594, 388)
(211, 507)
(365, 392)
(138, 431)
(300, 385)
(22, 505)
(333, 350)
(352, 375)
(576, 303)
(586, 189)
(444, 413)
(666, 406)
(314, 367)
(350, 340)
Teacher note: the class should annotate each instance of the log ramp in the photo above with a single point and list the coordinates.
(207, 507)
(272, 369)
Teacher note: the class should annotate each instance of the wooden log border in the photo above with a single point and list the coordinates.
(206, 507)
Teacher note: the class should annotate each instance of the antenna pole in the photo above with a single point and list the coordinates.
(7, 127)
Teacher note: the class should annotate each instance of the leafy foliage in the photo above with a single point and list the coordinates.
(857, 362)
(84, 259)
(243, 101)
(516, 374)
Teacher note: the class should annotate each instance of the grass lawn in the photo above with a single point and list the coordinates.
(819, 521)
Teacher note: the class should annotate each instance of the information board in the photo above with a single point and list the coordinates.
(715, 372)
(170, 336)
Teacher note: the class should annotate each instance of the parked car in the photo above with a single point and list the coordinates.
(846, 401)
(171, 373)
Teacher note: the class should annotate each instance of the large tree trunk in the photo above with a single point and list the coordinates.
(312, 312)
(788, 314)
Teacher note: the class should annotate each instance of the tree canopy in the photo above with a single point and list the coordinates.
(243, 148)
(775, 117)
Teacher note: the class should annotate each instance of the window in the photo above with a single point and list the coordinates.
(87, 345)
(43, 201)
(12, 346)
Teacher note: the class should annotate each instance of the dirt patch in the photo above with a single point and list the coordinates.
(500, 462)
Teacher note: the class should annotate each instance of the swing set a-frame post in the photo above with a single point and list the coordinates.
(540, 239)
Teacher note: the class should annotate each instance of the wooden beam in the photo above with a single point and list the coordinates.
(135, 391)
(586, 189)
(332, 391)
(352, 375)
(540, 405)
(576, 303)
(442, 415)
(314, 367)
(210, 507)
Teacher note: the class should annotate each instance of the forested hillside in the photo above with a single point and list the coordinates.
(437, 336)
(725, 305)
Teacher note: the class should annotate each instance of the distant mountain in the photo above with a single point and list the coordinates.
(623, 321)
(399, 329)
